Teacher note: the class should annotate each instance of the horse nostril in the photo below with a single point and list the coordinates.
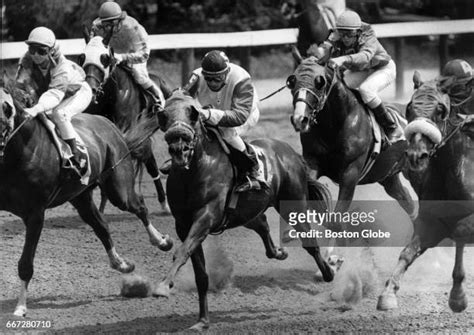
(424, 155)
(304, 121)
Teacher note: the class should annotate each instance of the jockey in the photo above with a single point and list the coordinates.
(129, 41)
(457, 81)
(228, 91)
(354, 46)
(61, 88)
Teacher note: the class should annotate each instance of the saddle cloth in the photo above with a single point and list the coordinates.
(64, 149)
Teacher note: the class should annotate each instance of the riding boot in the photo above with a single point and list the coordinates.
(155, 93)
(387, 121)
(166, 167)
(249, 179)
(77, 162)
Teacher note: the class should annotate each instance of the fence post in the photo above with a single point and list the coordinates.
(443, 51)
(187, 65)
(244, 57)
(399, 82)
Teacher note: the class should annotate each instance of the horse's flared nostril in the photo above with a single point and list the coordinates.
(424, 155)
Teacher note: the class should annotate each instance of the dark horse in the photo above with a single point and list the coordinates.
(118, 97)
(200, 181)
(31, 181)
(312, 20)
(441, 170)
(336, 135)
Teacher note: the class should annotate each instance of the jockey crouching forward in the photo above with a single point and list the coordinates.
(129, 40)
(370, 69)
(228, 91)
(457, 80)
(61, 89)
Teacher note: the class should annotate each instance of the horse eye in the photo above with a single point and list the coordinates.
(319, 82)
(291, 82)
(7, 110)
(105, 60)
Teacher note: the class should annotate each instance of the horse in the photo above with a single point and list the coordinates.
(313, 21)
(198, 189)
(118, 97)
(440, 168)
(337, 137)
(31, 180)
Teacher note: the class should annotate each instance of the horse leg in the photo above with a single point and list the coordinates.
(90, 214)
(313, 248)
(192, 232)
(152, 169)
(457, 297)
(394, 188)
(388, 299)
(103, 201)
(119, 188)
(202, 283)
(34, 225)
(260, 226)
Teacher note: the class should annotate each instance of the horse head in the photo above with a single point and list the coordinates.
(98, 63)
(310, 85)
(427, 113)
(179, 121)
(7, 118)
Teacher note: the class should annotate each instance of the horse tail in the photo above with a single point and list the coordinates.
(319, 193)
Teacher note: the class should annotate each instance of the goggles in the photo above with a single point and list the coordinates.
(347, 33)
(215, 79)
(36, 49)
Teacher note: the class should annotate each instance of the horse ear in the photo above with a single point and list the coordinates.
(417, 79)
(105, 60)
(296, 54)
(81, 59)
(194, 113)
(85, 33)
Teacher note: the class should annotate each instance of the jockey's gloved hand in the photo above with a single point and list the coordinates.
(118, 58)
(33, 111)
(339, 61)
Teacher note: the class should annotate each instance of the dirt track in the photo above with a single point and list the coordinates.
(74, 287)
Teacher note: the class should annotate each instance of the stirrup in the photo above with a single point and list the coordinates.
(248, 185)
(73, 169)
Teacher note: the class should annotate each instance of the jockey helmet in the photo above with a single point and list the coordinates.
(348, 20)
(457, 68)
(215, 63)
(110, 11)
(42, 36)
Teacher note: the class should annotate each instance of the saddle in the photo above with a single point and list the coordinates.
(65, 152)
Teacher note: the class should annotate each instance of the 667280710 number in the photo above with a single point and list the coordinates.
(28, 324)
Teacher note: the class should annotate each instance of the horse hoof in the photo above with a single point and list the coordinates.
(20, 311)
(200, 326)
(457, 302)
(124, 267)
(161, 290)
(167, 245)
(387, 302)
(281, 254)
(328, 275)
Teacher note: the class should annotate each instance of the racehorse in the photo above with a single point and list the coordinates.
(337, 137)
(31, 179)
(440, 161)
(312, 20)
(199, 184)
(118, 97)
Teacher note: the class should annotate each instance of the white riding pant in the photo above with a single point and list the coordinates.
(62, 114)
(232, 135)
(141, 76)
(370, 82)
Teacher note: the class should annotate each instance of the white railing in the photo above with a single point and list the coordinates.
(11, 50)
(189, 42)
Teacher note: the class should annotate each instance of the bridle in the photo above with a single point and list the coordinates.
(183, 127)
(317, 101)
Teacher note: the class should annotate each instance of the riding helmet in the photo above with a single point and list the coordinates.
(349, 20)
(214, 63)
(110, 11)
(458, 68)
(42, 36)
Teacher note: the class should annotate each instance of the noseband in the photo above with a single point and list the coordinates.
(317, 101)
(180, 127)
